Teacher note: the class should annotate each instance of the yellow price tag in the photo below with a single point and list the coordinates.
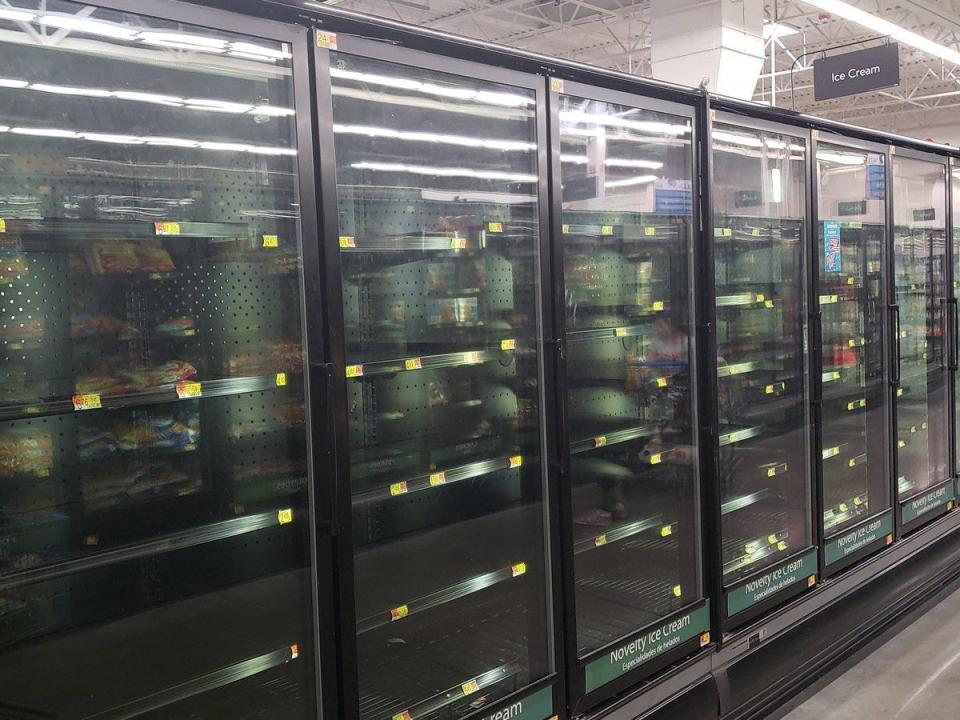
(768, 304)
(771, 472)
(412, 364)
(280, 379)
(566, 229)
(658, 305)
(348, 241)
(661, 382)
(772, 539)
(495, 227)
(844, 507)
(677, 591)
(515, 461)
(620, 331)
(328, 41)
(399, 612)
(850, 281)
(600, 441)
(666, 531)
(458, 243)
(656, 459)
(899, 392)
(830, 452)
(471, 357)
(3, 225)
(438, 478)
(189, 390)
(599, 540)
(285, 516)
(704, 639)
(761, 297)
(271, 241)
(470, 687)
(354, 371)
(923, 426)
(87, 401)
(606, 229)
(398, 488)
(508, 344)
(166, 228)
(811, 581)
(648, 231)
(756, 232)
(857, 501)
(518, 569)
(781, 546)
(901, 443)
(556, 85)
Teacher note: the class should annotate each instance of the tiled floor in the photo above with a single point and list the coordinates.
(913, 676)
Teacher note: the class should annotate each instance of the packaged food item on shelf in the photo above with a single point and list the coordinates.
(153, 258)
(25, 451)
(136, 483)
(86, 326)
(161, 431)
(167, 373)
(112, 257)
(95, 443)
(182, 326)
(101, 385)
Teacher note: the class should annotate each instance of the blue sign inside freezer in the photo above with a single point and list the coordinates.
(832, 259)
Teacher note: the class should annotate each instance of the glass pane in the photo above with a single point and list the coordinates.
(955, 200)
(759, 207)
(154, 511)
(852, 235)
(437, 180)
(627, 200)
(919, 247)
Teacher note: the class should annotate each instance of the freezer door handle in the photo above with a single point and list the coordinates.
(954, 351)
(817, 351)
(895, 345)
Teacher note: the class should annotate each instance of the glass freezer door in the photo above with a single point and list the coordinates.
(437, 190)
(626, 242)
(759, 182)
(154, 499)
(955, 216)
(919, 296)
(852, 231)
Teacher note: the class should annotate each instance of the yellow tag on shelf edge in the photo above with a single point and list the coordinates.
(398, 488)
(495, 227)
(348, 241)
(328, 41)
(412, 364)
(354, 371)
(3, 225)
(515, 461)
(281, 379)
(399, 612)
(518, 569)
(470, 687)
(166, 228)
(189, 390)
(438, 478)
(271, 241)
(285, 516)
(88, 401)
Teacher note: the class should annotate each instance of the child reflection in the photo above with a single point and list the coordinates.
(626, 477)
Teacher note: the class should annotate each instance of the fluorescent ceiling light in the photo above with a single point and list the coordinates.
(840, 158)
(778, 30)
(70, 90)
(885, 27)
(649, 126)
(638, 180)
(217, 105)
(443, 138)
(614, 162)
(44, 132)
(445, 171)
(273, 111)
(258, 50)
(90, 27)
(9, 83)
(457, 93)
(179, 39)
(9, 13)
(111, 138)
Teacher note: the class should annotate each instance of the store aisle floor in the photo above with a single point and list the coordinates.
(913, 676)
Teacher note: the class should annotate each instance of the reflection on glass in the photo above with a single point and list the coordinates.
(437, 181)
(627, 195)
(850, 253)
(759, 207)
(152, 447)
(919, 246)
(955, 200)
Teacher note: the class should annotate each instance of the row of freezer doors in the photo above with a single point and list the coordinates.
(531, 432)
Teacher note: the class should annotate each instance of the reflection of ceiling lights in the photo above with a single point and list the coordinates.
(445, 171)
(614, 162)
(159, 38)
(649, 126)
(461, 140)
(885, 27)
(840, 158)
(148, 140)
(626, 182)
(483, 97)
(204, 104)
(754, 141)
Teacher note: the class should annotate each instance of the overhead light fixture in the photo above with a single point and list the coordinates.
(485, 97)
(445, 171)
(614, 162)
(840, 158)
(626, 182)
(885, 27)
(778, 30)
(182, 39)
(648, 126)
(88, 26)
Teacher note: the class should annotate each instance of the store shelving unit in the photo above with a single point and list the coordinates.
(759, 229)
(925, 489)
(857, 518)
(631, 496)
(153, 478)
(438, 256)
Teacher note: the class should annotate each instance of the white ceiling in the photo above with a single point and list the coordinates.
(615, 34)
